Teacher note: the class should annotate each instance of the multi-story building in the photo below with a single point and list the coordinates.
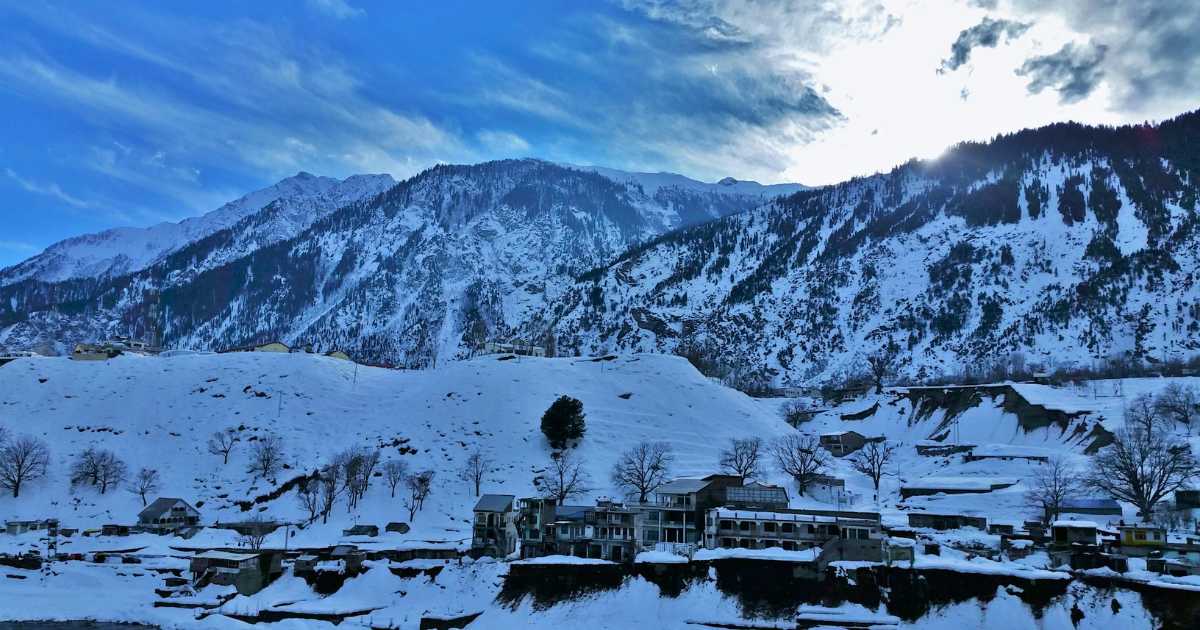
(788, 529)
(676, 514)
(495, 529)
(607, 530)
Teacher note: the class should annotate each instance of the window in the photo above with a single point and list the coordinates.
(787, 528)
(768, 527)
(1139, 535)
(726, 524)
(744, 526)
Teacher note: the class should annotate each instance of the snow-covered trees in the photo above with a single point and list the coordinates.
(873, 460)
(642, 468)
(145, 483)
(419, 486)
(563, 422)
(743, 457)
(1143, 465)
(22, 459)
(476, 466)
(266, 457)
(222, 443)
(563, 478)
(98, 468)
(801, 458)
(1051, 485)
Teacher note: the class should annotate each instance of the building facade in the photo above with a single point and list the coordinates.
(494, 532)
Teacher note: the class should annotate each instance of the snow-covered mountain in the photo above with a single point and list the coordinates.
(1064, 245)
(1067, 244)
(299, 200)
(439, 263)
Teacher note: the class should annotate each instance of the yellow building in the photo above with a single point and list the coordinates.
(1143, 536)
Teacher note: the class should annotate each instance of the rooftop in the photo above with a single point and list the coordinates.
(494, 503)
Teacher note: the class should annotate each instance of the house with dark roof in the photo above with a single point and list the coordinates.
(1095, 506)
(495, 531)
(168, 514)
(677, 513)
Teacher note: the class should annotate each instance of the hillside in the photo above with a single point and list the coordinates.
(441, 262)
(1066, 244)
(159, 412)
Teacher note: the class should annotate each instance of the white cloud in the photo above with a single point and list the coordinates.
(503, 143)
(339, 9)
(50, 190)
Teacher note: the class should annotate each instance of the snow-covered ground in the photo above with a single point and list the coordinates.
(158, 412)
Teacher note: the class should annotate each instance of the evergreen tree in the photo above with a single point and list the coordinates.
(563, 422)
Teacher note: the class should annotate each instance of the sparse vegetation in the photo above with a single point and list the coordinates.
(743, 457)
(266, 457)
(476, 466)
(145, 483)
(641, 469)
(22, 460)
(800, 457)
(1050, 486)
(222, 443)
(564, 477)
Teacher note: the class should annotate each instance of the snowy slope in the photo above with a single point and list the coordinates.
(124, 250)
(158, 412)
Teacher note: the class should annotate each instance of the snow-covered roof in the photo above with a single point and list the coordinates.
(225, 555)
(961, 483)
(1077, 524)
(1010, 450)
(160, 506)
(494, 503)
(770, 553)
(773, 516)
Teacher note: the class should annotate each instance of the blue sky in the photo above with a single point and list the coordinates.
(135, 113)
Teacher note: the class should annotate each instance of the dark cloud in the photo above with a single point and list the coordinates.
(986, 34)
(1152, 61)
(1074, 71)
(983, 4)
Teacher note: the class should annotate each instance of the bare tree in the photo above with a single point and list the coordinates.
(357, 467)
(1141, 413)
(801, 458)
(222, 443)
(144, 483)
(1052, 484)
(255, 531)
(1142, 466)
(564, 478)
(476, 466)
(98, 468)
(881, 363)
(643, 468)
(266, 457)
(419, 486)
(743, 457)
(873, 460)
(308, 495)
(331, 480)
(394, 471)
(22, 460)
(1179, 404)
